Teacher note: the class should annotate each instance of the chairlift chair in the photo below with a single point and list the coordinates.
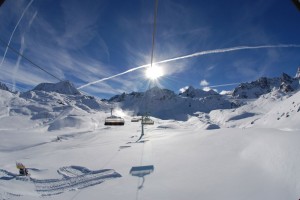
(114, 120)
(147, 121)
(135, 119)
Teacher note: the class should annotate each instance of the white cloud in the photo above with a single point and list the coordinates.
(225, 92)
(181, 90)
(204, 83)
(208, 89)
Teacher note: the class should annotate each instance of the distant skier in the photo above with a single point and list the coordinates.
(22, 169)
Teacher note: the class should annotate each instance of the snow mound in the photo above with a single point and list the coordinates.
(242, 116)
(70, 122)
(169, 126)
(211, 127)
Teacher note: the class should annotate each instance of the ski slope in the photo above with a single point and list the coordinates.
(244, 153)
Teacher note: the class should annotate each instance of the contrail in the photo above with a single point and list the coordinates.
(223, 85)
(21, 52)
(201, 53)
(16, 68)
(12, 34)
(104, 79)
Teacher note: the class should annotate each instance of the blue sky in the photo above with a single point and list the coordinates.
(84, 41)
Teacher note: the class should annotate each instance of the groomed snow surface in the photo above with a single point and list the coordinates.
(246, 153)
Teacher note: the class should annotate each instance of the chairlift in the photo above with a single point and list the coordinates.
(147, 121)
(114, 120)
(135, 119)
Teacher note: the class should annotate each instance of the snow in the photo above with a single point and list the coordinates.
(192, 92)
(63, 87)
(298, 73)
(165, 104)
(246, 152)
(265, 85)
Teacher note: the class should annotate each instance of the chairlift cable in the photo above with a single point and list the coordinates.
(152, 54)
(31, 62)
(154, 30)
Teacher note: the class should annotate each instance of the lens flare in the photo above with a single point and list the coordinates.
(154, 72)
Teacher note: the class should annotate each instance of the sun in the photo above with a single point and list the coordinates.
(154, 72)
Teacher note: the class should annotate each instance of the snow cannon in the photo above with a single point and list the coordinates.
(22, 169)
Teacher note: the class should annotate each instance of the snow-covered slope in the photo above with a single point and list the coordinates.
(273, 110)
(165, 104)
(247, 152)
(50, 110)
(186, 162)
(284, 115)
(298, 73)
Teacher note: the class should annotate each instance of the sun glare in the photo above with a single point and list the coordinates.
(154, 72)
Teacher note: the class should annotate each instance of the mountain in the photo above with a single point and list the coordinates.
(265, 85)
(61, 105)
(298, 73)
(165, 104)
(274, 109)
(252, 153)
(56, 106)
(63, 87)
(197, 93)
(3, 87)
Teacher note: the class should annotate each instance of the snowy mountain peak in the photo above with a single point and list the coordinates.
(264, 85)
(165, 104)
(63, 87)
(298, 73)
(197, 93)
(3, 87)
(157, 92)
(286, 78)
(152, 93)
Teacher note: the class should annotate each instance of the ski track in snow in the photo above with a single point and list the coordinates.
(74, 178)
(7, 195)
